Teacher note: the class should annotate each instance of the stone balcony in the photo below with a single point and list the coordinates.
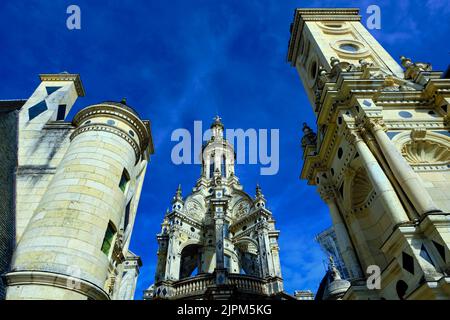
(204, 285)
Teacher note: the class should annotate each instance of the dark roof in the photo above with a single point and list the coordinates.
(10, 105)
(124, 106)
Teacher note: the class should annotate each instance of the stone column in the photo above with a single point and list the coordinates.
(343, 239)
(263, 250)
(219, 238)
(220, 271)
(163, 240)
(173, 259)
(408, 179)
(379, 180)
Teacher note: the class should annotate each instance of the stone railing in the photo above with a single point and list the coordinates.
(193, 286)
(197, 286)
(248, 283)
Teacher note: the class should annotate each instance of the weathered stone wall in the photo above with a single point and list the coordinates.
(8, 160)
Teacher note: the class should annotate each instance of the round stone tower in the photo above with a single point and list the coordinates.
(78, 234)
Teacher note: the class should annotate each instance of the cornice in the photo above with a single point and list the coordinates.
(315, 14)
(142, 128)
(27, 277)
(65, 77)
(185, 218)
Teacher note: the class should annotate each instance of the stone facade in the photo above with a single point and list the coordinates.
(77, 189)
(381, 156)
(218, 242)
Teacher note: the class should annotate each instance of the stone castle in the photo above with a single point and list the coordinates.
(379, 155)
(380, 158)
(70, 194)
(218, 242)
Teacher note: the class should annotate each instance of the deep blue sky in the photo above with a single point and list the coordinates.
(180, 61)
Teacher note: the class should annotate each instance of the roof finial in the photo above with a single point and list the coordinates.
(258, 191)
(123, 101)
(333, 269)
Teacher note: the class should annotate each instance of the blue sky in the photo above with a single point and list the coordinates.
(180, 61)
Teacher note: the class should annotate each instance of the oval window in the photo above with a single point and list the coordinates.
(405, 114)
(349, 47)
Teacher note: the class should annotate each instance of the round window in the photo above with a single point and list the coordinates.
(131, 133)
(111, 122)
(349, 47)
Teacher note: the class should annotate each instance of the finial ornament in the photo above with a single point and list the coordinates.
(334, 61)
(412, 70)
(123, 101)
(178, 196)
(335, 274)
(217, 122)
(258, 191)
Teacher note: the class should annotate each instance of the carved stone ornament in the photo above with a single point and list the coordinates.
(420, 151)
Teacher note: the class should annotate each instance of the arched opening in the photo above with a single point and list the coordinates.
(248, 258)
(368, 216)
(223, 167)
(190, 263)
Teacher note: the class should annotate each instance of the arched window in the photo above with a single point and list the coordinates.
(211, 167)
(223, 167)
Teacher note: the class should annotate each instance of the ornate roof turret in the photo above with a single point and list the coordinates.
(260, 201)
(177, 201)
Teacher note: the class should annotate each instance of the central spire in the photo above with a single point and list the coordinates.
(218, 154)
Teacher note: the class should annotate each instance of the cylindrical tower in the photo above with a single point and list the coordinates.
(74, 241)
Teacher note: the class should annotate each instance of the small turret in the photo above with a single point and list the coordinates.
(177, 201)
(260, 201)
